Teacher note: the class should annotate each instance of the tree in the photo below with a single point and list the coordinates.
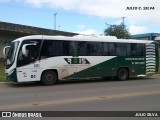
(119, 31)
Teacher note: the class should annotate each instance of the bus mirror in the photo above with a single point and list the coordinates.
(24, 48)
(5, 50)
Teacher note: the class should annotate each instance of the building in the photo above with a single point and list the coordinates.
(11, 31)
(147, 36)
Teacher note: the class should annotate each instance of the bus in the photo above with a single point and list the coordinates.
(48, 59)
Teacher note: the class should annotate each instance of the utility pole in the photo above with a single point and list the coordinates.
(55, 14)
(123, 21)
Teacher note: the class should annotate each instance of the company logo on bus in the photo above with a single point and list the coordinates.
(77, 61)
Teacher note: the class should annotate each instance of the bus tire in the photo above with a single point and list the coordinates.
(122, 74)
(49, 77)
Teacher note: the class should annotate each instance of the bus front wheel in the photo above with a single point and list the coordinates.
(49, 77)
(122, 74)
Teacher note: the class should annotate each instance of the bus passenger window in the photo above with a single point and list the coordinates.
(46, 49)
(112, 49)
(105, 49)
(82, 49)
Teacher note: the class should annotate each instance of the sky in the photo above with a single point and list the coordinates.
(84, 16)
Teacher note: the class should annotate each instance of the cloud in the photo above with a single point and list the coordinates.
(82, 29)
(65, 4)
(107, 8)
(88, 32)
(137, 29)
(135, 11)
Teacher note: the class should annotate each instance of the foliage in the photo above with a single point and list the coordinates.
(119, 31)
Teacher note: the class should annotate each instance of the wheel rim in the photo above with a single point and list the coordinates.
(122, 74)
(49, 77)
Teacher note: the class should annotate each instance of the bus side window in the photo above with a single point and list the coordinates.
(112, 49)
(121, 49)
(51, 48)
(73, 50)
(30, 54)
(57, 48)
(82, 49)
(105, 49)
(65, 48)
(140, 49)
(94, 48)
(133, 49)
(128, 45)
(46, 49)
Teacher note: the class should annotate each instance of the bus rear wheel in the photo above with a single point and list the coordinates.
(122, 74)
(49, 77)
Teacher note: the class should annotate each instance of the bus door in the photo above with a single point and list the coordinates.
(27, 63)
(27, 73)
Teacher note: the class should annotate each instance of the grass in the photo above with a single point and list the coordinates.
(2, 73)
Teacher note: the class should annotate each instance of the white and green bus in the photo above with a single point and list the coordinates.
(51, 58)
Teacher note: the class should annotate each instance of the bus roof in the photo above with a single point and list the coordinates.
(84, 38)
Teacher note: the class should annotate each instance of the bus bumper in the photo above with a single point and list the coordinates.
(12, 76)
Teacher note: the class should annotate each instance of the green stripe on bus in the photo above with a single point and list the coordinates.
(135, 65)
(12, 76)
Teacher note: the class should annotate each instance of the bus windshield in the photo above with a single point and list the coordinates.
(11, 54)
(32, 52)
